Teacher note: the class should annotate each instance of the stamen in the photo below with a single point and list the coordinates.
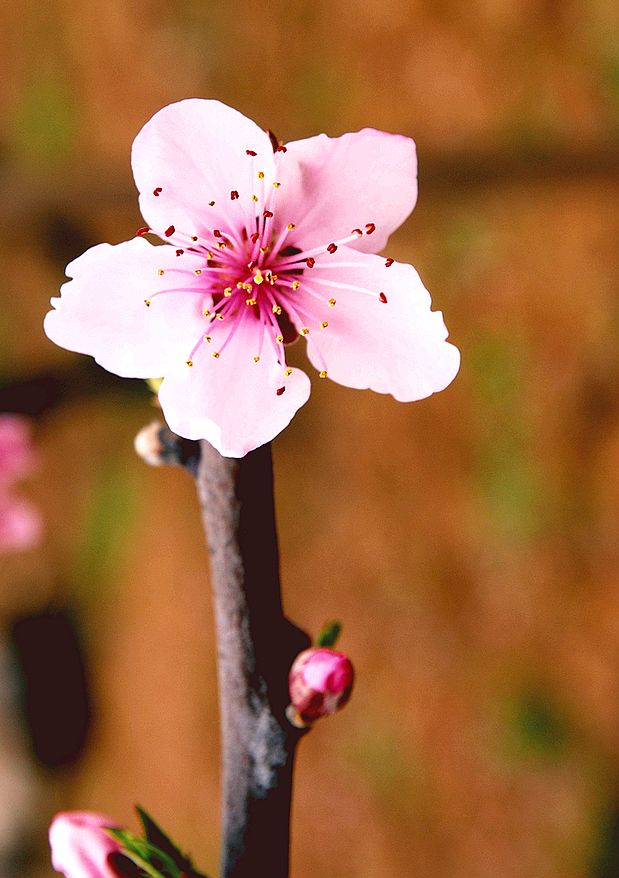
(389, 262)
(169, 231)
(179, 252)
(197, 272)
(383, 298)
(189, 362)
(322, 373)
(254, 198)
(267, 214)
(211, 204)
(369, 228)
(160, 272)
(331, 303)
(234, 195)
(280, 390)
(281, 148)
(276, 185)
(324, 324)
(251, 152)
(288, 372)
(310, 262)
(331, 248)
(143, 230)
(147, 302)
(157, 192)
(261, 175)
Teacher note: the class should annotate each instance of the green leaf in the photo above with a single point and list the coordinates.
(157, 837)
(329, 634)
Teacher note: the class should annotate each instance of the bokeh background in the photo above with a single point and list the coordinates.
(469, 542)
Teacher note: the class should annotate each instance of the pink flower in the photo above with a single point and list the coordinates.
(20, 523)
(320, 682)
(80, 846)
(260, 247)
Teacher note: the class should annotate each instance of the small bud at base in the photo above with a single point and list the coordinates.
(320, 683)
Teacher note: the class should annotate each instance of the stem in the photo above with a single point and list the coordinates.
(256, 646)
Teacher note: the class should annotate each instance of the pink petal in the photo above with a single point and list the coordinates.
(232, 402)
(20, 525)
(195, 152)
(102, 312)
(80, 846)
(396, 347)
(331, 186)
(17, 455)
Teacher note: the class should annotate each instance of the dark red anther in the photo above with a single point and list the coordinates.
(267, 214)
(281, 148)
(143, 231)
(254, 237)
(234, 195)
(217, 233)
(280, 390)
(310, 262)
(388, 262)
(357, 232)
(383, 298)
(332, 248)
(169, 231)
(157, 192)
(369, 228)
(211, 204)
(179, 252)
(250, 152)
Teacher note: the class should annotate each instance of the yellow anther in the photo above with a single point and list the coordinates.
(160, 271)
(216, 354)
(189, 362)
(221, 245)
(331, 303)
(324, 324)
(250, 302)
(197, 272)
(219, 316)
(322, 374)
(276, 184)
(147, 302)
(256, 359)
(206, 312)
(264, 249)
(228, 292)
(305, 331)
(248, 287)
(288, 373)
(258, 278)
(277, 309)
(279, 338)
(239, 284)
(207, 338)
(295, 285)
(254, 198)
(290, 226)
(261, 175)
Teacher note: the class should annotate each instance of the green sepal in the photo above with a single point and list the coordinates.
(329, 634)
(154, 862)
(157, 837)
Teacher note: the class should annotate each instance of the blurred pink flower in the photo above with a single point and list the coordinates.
(261, 246)
(20, 523)
(320, 682)
(80, 846)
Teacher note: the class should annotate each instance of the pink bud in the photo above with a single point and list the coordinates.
(320, 682)
(80, 846)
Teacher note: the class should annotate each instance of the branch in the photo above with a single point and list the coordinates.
(256, 647)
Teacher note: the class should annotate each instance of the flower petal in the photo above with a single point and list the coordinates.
(192, 153)
(102, 311)
(20, 525)
(331, 186)
(391, 343)
(232, 401)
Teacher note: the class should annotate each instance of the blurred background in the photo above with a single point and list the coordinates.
(468, 542)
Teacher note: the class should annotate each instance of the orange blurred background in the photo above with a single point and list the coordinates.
(469, 542)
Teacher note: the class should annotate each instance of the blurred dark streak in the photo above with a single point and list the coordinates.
(55, 700)
(39, 394)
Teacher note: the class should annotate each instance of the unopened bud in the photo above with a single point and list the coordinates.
(81, 848)
(320, 682)
(157, 445)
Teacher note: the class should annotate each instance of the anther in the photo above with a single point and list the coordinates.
(207, 338)
(383, 298)
(305, 331)
(144, 230)
(221, 245)
(276, 184)
(157, 192)
(250, 302)
(211, 204)
(179, 252)
(267, 214)
(322, 374)
(280, 390)
(197, 272)
(281, 148)
(256, 359)
(264, 249)
(324, 324)
(331, 248)
(228, 292)
(160, 272)
(234, 195)
(194, 238)
(254, 237)
(169, 231)
(239, 284)
(295, 285)
(369, 228)
(206, 312)
(216, 354)
(251, 152)
(310, 262)
(147, 302)
(254, 198)
(388, 262)
(217, 233)
(357, 232)
(261, 175)
(290, 226)
(189, 362)
(277, 309)
(209, 255)
(331, 303)
(288, 372)
(219, 316)
(247, 286)
(279, 339)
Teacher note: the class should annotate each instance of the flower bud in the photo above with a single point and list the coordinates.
(320, 682)
(81, 848)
